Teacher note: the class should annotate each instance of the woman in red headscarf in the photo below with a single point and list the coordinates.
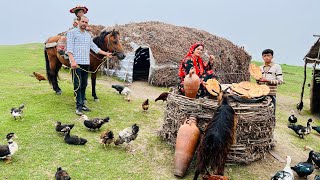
(192, 62)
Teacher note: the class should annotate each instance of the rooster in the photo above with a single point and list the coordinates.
(39, 76)
(106, 137)
(127, 135)
(95, 123)
(163, 96)
(145, 105)
(62, 174)
(17, 112)
(216, 142)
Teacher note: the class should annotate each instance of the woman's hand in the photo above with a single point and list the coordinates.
(211, 59)
(191, 70)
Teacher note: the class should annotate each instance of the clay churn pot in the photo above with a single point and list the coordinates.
(186, 144)
(191, 85)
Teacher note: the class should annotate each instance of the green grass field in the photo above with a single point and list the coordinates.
(42, 150)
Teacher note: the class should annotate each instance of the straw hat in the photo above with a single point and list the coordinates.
(77, 8)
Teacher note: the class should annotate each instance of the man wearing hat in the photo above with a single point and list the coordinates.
(79, 43)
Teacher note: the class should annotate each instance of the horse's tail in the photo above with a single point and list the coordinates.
(216, 142)
(49, 74)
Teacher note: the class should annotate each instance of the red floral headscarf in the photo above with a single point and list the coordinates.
(195, 59)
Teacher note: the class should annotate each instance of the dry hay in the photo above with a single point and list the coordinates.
(169, 44)
(254, 131)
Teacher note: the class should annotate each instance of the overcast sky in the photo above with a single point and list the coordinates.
(286, 26)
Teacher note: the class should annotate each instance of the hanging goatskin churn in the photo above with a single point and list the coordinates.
(191, 85)
(186, 144)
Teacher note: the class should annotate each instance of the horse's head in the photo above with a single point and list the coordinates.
(114, 45)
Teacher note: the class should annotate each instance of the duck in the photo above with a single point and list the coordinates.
(301, 130)
(17, 112)
(95, 123)
(316, 128)
(286, 173)
(292, 119)
(6, 151)
(315, 155)
(60, 126)
(304, 169)
(75, 140)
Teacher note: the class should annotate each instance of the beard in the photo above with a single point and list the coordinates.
(83, 27)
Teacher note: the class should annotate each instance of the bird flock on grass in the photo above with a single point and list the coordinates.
(106, 137)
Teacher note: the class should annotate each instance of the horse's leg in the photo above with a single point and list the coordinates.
(93, 83)
(55, 67)
(52, 68)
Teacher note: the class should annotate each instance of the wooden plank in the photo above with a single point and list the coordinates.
(276, 156)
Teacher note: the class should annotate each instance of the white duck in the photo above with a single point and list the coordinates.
(286, 173)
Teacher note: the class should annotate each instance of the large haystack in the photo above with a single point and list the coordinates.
(169, 44)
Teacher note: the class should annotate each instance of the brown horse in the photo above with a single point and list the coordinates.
(107, 41)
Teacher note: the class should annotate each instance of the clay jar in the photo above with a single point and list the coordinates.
(191, 85)
(186, 144)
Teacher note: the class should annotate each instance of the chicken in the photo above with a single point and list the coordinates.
(6, 151)
(60, 126)
(106, 137)
(163, 96)
(17, 112)
(126, 92)
(123, 90)
(286, 173)
(145, 105)
(39, 76)
(127, 135)
(119, 88)
(62, 174)
(75, 140)
(95, 123)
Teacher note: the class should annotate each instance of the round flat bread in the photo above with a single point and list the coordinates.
(236, 88)
(247, 85)
(255, 92)
(265, 89)
(255, 71)
(213, 87)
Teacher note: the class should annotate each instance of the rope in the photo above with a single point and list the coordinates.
(104, 59)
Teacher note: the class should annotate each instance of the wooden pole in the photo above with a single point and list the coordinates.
(304, 80)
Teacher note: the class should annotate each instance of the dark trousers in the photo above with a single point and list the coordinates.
(80, 82)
